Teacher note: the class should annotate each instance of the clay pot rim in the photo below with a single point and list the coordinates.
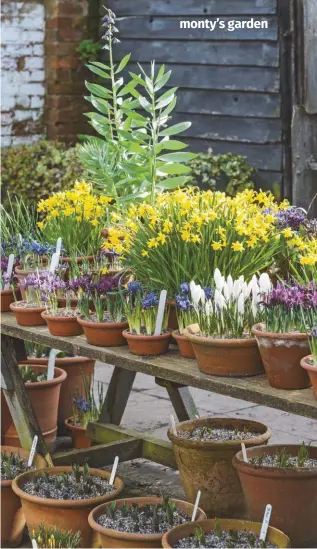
(218, 342)
(14, 308)
(53, 318)
(265, 471)
(62, 503)
(101, 325)
(59, 360)
(70, 426)
(80, 258)
(258, 331)
(131, 535)
(62, 375)
(9, 291)
(177, 335)
(15, 450)
(226, 524)
(141, 337)
(19, 271)
(307, 365)
(206, 445)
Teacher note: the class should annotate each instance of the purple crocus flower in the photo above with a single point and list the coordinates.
(184, 288)
(183, 303)
(150, 300)
(209, 293)
(134, 287)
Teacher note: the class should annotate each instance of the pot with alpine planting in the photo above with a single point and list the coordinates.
(204, 449)
(139, 522)
(64, 496)
(309, 363)
(186, 315)
(223, 533)
(282, 338)
(13, 462)
(286, 477)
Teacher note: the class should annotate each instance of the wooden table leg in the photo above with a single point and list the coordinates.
(181, 398)
(118, 393)
(17, 398)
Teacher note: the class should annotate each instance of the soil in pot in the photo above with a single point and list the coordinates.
(223, 533)
(14, 461)
(28, 314)
(103, 334)
(44, 397)
(63, 322)
(204, 449)
(7, 297)
(64, 496)
(226, 357)
(272, 475)
(311, 368)
(281, 355)
(78, 434)
(139, 522)
(184, 345)
(147, 345)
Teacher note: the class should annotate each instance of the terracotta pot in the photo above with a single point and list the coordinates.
(63, 514)
(78, 434)
(184, 345)
(226, 357)
(103, 334)
(115, 538)
(172, 317)
(147, 345)
(21, 274)
(275, 536)
(7, 297)
(62, 326)
(10, 502)
(207, 466)
(75, 367)
(292, 492)
(281, 355)
(79, 260)
(28, 316)
(6, 419)
(44, 397)
(308, 364)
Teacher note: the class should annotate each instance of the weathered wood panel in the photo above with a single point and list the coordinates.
(193, 7)
(310, 57)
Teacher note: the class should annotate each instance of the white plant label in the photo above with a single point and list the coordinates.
(34, 544)
(173, 426)
(54, 262)
(9, 270)
(196, 506)
(59, 245)
(32, 451)
(114, 470)
(244, 452)
(51, 363)
(266, 521)
(20, 238)
(160, 313)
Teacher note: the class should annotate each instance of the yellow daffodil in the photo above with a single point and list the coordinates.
(237, 247)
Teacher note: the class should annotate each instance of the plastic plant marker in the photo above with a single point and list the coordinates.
(244, 452)
(9, 270)
(51, 363)
(32, 451)
(59, 245)
(173, 424)
(114, 470)
(34, 544)
(266, 521)
(196, 506)
(160, 313)
(54, 262)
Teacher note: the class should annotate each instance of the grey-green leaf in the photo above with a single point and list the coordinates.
(177, 157)
(177, 128)
(123, 63)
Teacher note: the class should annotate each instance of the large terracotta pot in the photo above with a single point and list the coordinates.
(308, 364)
(292, 492)
(63, 514)
(142, 345)
(281, 355)
(226, 357)
(274, 536)
(207, 466)
(75, 367)
(78, 434)
(103, 334)
(28, 316)
(115, 538)
(10, 502)
(62, 325)
(44, 397)
(184, 345)
(7, 297)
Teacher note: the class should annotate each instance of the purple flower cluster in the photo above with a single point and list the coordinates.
(292, 297)
(81, 404)
(45, 282)
(93, 286)
(35, 247)
(134, 287)
(293, 218)
(150, 300)
(183, 303)
(4, 263)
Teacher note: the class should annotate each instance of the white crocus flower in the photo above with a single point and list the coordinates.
(265, 283)
(208, 308)
(240, 304)
(220, 301)
(225, 291)
(230, 285)
(195, 292)
(219, 280)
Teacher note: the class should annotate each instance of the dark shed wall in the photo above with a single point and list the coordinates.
(229, 81)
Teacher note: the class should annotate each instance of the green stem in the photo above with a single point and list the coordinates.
(154, 142)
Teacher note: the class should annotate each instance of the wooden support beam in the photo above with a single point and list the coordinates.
(117, 395)
(102, 454)
(181, 398)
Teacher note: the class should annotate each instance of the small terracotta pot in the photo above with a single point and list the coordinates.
(115, 538)
(7, 297)
(184, 345)
(226, 357)
(308, 364)
(62, 514)
(275, 536)
(78, 434)
(103, 334)
(79, 260)
(207, 466)
(44, 397)
(28, 316)
(281, 355)
(10, 502)
(62, 326)
(292, 492)
(142, 345)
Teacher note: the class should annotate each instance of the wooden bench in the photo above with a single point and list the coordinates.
(170, 371)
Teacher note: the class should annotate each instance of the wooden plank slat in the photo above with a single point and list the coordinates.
(181, 399)
(102, 455)
(310, 56)
(171, 367)
(118, 392)
(192, 7)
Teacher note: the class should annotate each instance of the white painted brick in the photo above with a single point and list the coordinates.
(7, 102)
(34, 89)
(37, 10)
(6, 130)
(38, 49)
(22, 101)
(37, 102)
(26, 115)
(32, 36)
(33, 22)
(8, 63)
(6, 118)
(34, 63)
(10, 34)
(6, 141)
(37, 76)
(21, 140)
